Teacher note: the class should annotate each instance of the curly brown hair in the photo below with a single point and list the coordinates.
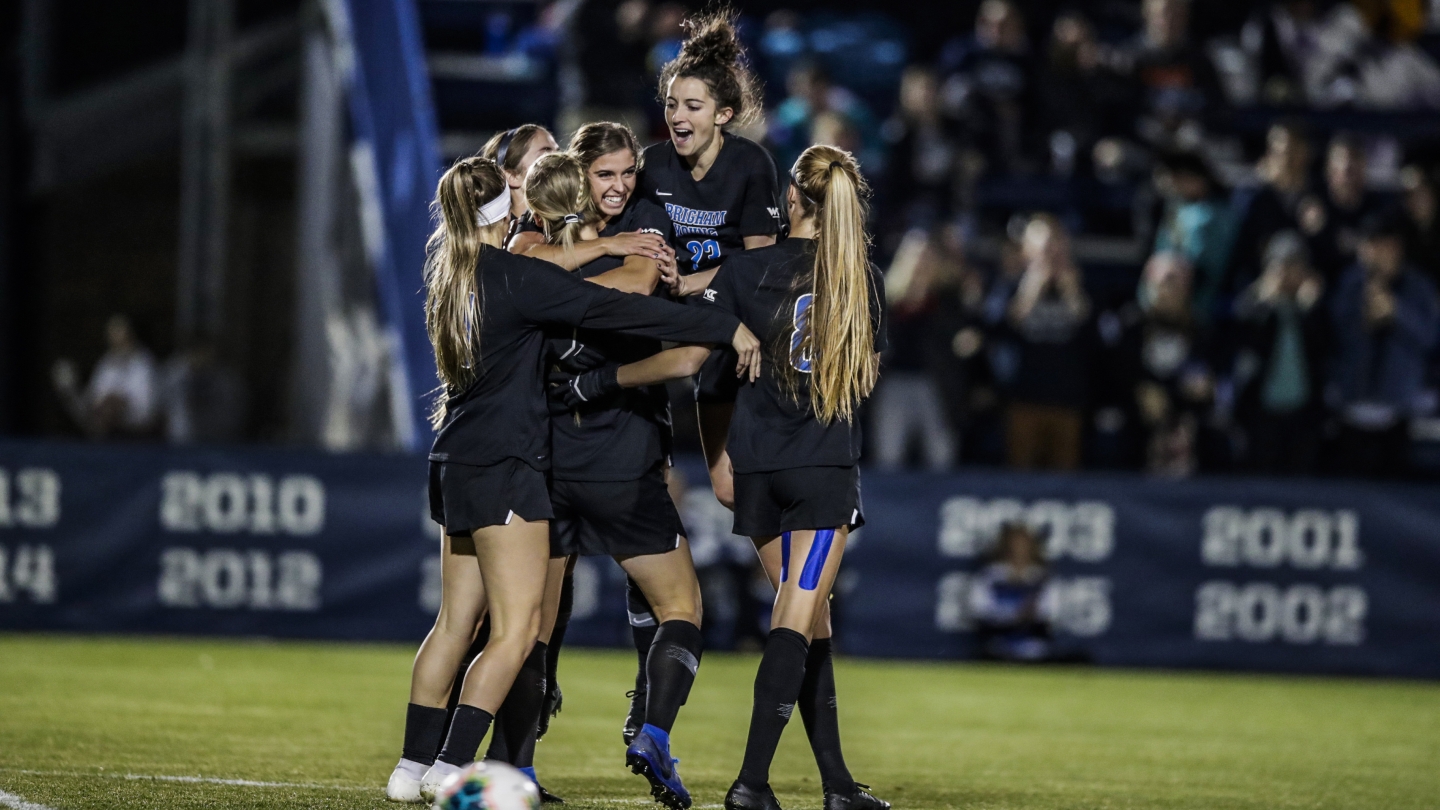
(713, 54)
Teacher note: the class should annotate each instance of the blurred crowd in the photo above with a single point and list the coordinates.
(1155, 235)
(1275, 307)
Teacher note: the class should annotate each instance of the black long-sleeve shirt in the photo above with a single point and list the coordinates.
(504, 413)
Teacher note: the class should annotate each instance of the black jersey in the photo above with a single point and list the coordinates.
(625, 436)
(738, 197)
(504, 413)
(525, 223)
(770, 430)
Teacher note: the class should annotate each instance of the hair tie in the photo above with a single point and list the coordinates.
(835, 163)
(504, 148)
(573, 219)
(496, 210)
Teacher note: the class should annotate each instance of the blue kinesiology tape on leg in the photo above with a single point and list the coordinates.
(815, 560)
(785, 557)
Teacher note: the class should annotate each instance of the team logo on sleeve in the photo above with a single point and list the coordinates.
(711, 295)
(774, 213)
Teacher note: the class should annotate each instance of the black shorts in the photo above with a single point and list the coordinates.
(614, 518)
(464, 497)
(716, 381)
(771, 503)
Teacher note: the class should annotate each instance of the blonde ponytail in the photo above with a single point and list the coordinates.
(452, 300)
(837, 336)
(559, 198)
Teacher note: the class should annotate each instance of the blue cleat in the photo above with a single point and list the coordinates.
(649, 756)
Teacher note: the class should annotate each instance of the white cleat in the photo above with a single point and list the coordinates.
(404, 784)
(435, 777)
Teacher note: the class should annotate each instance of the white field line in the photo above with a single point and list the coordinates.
(16, 803)
(193, 780)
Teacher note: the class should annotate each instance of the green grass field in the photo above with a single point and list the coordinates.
(105, 723)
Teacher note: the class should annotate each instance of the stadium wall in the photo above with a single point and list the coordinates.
(1247, 574)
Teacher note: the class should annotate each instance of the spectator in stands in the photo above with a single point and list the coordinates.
(1272, 206)
(1366, 57)
(1333, 220)
(989, 89)
(1012, 600)
(1422, 226)
(1083, 99)
(1047, 313)
(203, 400)
(962, 366)
(908, 406)
(814, 99)
(1172, 75)
(1156, 358)
(121, 398)
(1280, 364)
(1283, 41)
(923, 156)
(1196, 223)
(1385, 316)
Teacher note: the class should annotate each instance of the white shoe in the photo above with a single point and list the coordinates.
(435, 777)
(404, 784)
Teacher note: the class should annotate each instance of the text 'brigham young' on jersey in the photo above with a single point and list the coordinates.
(690, 221)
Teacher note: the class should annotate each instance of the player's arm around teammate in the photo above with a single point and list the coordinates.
(486, 312)
(817, 304)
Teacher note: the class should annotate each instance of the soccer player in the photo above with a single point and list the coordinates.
(513, 151)
(487, 311)
(817, 305)
(611, 445)
(721, 193)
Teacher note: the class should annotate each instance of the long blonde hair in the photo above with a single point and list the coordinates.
(452, 300)
(837, 337)
(559, 198)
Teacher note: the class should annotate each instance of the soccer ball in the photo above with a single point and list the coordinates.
(488, 786)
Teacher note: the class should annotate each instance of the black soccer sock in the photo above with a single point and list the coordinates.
(643, 635)
(467, 729)
(822, 721)
(557, 636)
(670, 669)
(777, 685)
(521, 710)
(424, 729)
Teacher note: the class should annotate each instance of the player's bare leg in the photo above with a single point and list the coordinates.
(462, 606)
(513, 560)
(518, 720)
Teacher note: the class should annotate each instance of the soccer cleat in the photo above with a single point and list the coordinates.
(859, 799)
(649, 756)
(435, 777)
(636, 718)
(554, 699)
(546, 797)
(742, 797)
(404, 784)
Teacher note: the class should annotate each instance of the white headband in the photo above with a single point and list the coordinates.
(496, 210)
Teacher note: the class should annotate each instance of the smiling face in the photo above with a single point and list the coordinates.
(612, 181)
(691, 114)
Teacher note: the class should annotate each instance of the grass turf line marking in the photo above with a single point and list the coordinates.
(192, 780)
(16, 803)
